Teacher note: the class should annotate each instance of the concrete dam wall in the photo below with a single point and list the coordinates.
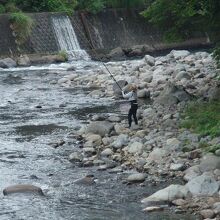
(104, 31)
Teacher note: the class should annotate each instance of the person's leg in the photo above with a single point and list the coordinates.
(135, 114)
(129, 117)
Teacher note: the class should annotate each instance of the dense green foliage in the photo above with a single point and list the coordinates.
(21, 25)
(92, 6)
(203, 118)
(180, 18)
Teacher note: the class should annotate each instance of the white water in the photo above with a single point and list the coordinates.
(67, 38)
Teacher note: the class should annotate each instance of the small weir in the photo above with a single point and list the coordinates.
(67, 38)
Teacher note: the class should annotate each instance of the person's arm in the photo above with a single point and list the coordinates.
(126, 96)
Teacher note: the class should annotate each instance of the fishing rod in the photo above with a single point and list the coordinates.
(82, 34)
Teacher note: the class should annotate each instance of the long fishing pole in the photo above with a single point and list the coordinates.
(82, 34)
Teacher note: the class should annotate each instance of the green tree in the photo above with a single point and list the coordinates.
(180, 18)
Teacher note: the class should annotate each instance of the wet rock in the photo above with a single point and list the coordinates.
(75, 157)
(87, 180)
(203, 185)
(149, 60)
(153, 209)
(207, 213)
(23, 188)
(136, 177)
(169, 193)
(7, 63)
(101, 128)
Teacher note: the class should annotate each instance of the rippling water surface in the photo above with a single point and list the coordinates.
(27, 158)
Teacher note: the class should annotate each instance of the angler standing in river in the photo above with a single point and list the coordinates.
(132, 98)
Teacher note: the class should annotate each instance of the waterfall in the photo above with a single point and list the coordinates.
(67, 38)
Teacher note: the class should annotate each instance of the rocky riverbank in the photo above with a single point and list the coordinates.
(158, 149)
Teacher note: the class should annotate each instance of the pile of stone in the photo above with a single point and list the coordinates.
(158, 150)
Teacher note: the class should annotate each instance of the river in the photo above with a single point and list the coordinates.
(34, 113)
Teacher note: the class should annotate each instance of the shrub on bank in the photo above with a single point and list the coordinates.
(22, 26)
(203, 118)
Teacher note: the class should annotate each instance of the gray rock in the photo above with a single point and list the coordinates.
(214, 93)
(157, 155)
(7, 63)
(209, 162)
(169, 193)
(172, 94)
(75, 157)
(135, 148)
(114, 118)
(183, 75)
(143, 93)
(149, 60)
(116, 54)
(177, 167)
(207, 213)
(203, 185)
(107, 152)
(216, 207)
(136, 177)
(120, 142)
(192, 172)
(116, 89)
(177, 54)
(217, 152)
(100, 127)
(173, 144)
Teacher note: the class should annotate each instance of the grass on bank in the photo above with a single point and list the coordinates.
(203, 118)
(22, 25)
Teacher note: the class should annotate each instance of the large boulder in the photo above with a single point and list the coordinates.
(209, 162)
(204, 185)
(168, 194)
(100, 127)
(7, 63)
(172, 94)
(149, 60)
(118, 86)
(116, 54)
(120, 142)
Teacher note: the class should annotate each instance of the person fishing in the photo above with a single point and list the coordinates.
(132, 98)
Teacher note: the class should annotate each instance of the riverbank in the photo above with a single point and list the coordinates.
(159, 149)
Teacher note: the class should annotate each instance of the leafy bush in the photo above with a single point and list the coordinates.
(63, 55)
(11, 7)
(2, 9)
(203, 118)
(178, 19)
(21, 25)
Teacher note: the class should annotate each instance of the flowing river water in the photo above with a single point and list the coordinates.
(27, 158)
